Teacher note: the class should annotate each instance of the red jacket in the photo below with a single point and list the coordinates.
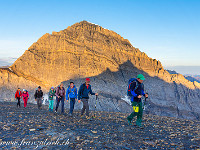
(18, 94)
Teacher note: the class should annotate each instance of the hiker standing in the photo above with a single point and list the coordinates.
(137, 91)
(83, 95)
(60, 96)
(71, 94)
(51, 101)
(25, 96)
(38, 97)
(18, 95)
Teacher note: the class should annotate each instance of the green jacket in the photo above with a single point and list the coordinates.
(51, 94)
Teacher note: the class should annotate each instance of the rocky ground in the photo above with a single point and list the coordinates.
(30, 128)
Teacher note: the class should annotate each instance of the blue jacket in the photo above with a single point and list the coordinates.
(137, 92)
(72, 92)
(84, 91)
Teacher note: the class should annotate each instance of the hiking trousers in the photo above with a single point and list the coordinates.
(72, 103)
(62, 103)
(18, 101)
(25, 99)
(85, 107)
(51, 104)
(39, 102)
(138, 114)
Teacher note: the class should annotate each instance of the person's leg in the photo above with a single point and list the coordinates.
(25, 103)
(84, 107)
(87, 108)
(71, 105)
(19, 101)
(40, 103)
(62, 104)
(133, 114)
(57, 103)
(74, 101)
(49, 105)
(139, 115)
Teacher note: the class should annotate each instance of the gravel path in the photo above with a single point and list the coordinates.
(31, 128)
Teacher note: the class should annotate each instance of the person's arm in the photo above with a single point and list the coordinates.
(79, 92)
(67, 93)
(42, 93)
(28, 94)
(35, 95)
(57, 90)
(143, 93)
(91, 91)
(75, 93)
(64, 94)
(16, 95)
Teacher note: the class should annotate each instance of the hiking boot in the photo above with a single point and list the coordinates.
(129, 122)
(88, 118)
(56, 112)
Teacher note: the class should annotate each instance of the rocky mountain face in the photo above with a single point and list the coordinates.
(88, 50)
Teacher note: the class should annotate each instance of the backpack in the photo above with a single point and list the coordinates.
(131, 81)
(71, 90)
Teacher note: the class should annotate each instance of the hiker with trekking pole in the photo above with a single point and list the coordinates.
(83, 95)
(71, 94)
(136, 91)
(60, 97)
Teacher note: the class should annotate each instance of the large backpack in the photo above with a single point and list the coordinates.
(131, 81)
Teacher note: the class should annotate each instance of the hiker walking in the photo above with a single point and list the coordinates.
(51, 101)
(60, 96)
(71, 94)
(25, 96)
(38, 97)
(83, 95)
(18, 95)
(136, 88)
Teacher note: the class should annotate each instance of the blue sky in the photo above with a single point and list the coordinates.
(167, 30)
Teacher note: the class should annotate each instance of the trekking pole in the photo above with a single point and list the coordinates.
(95, 106)
(145, 100)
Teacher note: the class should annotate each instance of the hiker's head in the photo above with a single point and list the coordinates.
(24, 91)
(39, 88)
(140, 78)
(87, 80)
(71, 84)
(52, 88)
(18, 89)
(61, 85)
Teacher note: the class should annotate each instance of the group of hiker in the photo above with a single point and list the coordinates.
(135, 92)
(71, 94)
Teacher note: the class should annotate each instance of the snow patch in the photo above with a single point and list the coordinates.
(126, 99)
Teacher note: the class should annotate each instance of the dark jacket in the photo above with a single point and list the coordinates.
(138, 91)
(60, 92)
(38, 94)
(84, 91)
